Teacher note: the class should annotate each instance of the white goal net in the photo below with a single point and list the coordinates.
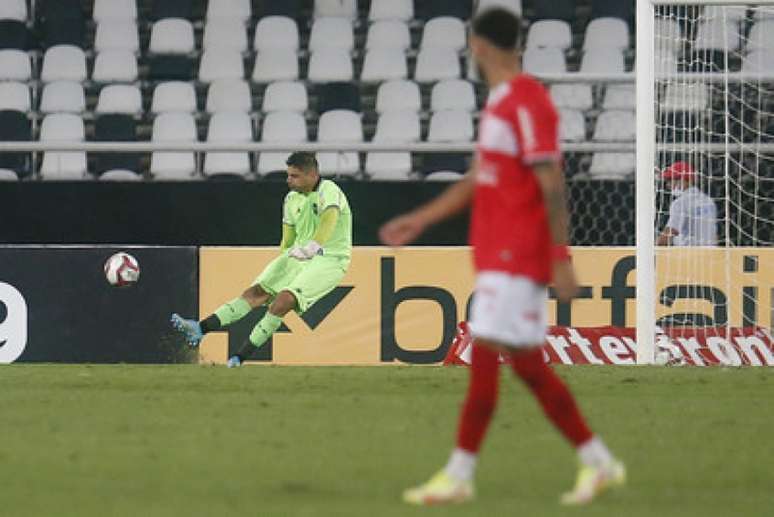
(712, 210)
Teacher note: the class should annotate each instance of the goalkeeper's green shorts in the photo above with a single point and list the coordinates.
(307, 280)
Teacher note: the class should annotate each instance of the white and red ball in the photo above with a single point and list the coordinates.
(122, 270)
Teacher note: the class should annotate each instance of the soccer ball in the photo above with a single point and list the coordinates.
(122, 270)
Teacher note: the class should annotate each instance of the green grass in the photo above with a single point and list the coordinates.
(274, 441)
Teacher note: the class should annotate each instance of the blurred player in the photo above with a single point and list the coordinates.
(519, 238)
(692, 213)
(314, 256)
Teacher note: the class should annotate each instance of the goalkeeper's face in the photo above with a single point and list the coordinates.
(301, 180)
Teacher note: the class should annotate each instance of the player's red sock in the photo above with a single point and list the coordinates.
(481, 400)
(556, 400)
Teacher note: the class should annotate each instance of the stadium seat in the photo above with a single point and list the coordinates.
(539, 60)
(668, 35)
(8, 174)
(555, 10)
(732, 13)
(715, 34)
(398, 96)
(63, 63)
(225, 33)
(336, 8)
(761, 36)
(331, 33)
(285, 96)
(685, 97)
(511, 5)
(111, 10)
(63, 97)
(666, 63)
(393, 127)
(572, 126)
(602, 61)
(124, 99)
(170, 68)
(13, 10)
(115, 128)
(338, 96)
(174, 96)
(219, 63)
(388, 34)
(172, 36)
(549, 34)
(15, 65)
(612, 9)
(759, 63)
(173, 128)
(428, 9)
(115, 66)
(615, 126)
(606, 33)
(229, 95)
(14, 35)
(63, 127)
(15, 127)
(15, 96)
(573, 96)
(612, 166)
(339, 126)
(619, 96)
(275, 65)
(162, 9)
(445, 176)
(453, 94)
(228, 127)
(117, 35)
(328, 65)
(391, 10)
(240, 10)
(451, 126)
(437, 64)
(444, 32)
(120, 175)
(384, 64)
(276, 32)
(280, 127)
(64, 31)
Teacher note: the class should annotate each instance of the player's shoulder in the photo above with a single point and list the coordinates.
(526, 88)
(292, 196)
(331, 186)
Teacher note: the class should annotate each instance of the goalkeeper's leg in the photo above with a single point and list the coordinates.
(284, 302)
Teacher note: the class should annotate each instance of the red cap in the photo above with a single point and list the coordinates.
(679, 171)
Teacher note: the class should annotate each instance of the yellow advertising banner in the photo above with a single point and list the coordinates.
(402, 306)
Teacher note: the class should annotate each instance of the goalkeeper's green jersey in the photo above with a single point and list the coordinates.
(302, 212)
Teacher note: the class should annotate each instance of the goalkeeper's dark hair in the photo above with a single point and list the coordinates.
(303, 160)
(498, 26)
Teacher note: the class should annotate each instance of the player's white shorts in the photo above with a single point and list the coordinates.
(510, 310)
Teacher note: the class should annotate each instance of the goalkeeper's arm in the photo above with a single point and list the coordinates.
(328, 220)
(288, 236)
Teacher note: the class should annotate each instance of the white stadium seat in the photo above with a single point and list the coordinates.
(602, 61)
(174, 96)
(111, 10)
(444, 176)
(63, 97)
(759, 63)
(119, 175)
(240, 10)
(542, 60)
(285, 96)
(549, 34)
(226, 33)
(15, 96)
(451, 126)
(220, 63)
(615, 166)
(232, 127)
(573, 96)
(172, 36)
(117, 35)
(63, 127)
(398, 95)
(13, 10)
(63, 63)
(512, 5)
(120, 98)
(8, 175)
(606, 33)
(685, 97)
(444, 31)
(668, 35)
(173, 128)
(384, 64)
(615, 126)
(732, 13)
(572, 126)
(115, 66)
(15, 65)
(437, 64)
(338, 8)
(715, 34)
(619, 96)
(339, 126)
(391, 10)
(388, 34)
(331, 33)
(276, 32)
(229, 95)
(399, 127)
(328, 65)
(275, 65)
(453, 94)
(280, 127)
(761, 36)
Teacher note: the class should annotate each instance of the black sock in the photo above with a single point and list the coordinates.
(245, 351)
(210, 324)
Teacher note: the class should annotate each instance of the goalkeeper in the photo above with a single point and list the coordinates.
(314, 256)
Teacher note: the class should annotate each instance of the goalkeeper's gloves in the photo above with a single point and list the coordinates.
(306, 252)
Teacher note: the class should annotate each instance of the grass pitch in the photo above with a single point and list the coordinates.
(275, 441)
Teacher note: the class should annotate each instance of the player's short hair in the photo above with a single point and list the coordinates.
(303, 160)
(498, 26)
